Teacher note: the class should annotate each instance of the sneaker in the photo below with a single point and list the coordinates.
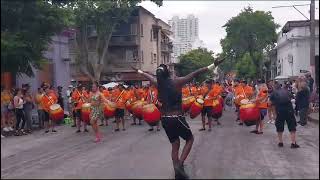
(101, 125)
(202, 129)
(179, 171)
(5, 129)
(46, 131)
(294, 146)
(151, 129)
(2, 136)
(85, 130)
(78, 131)
(240, 124)
(116, 130)
(53, 130)
(158, 129)
(269, 121)
(73, 126)
(280, 144)
(254, 131)
(10, 128)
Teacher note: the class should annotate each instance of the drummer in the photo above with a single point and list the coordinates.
(47, 100)
(175, 125)
(139, 94)
(79, 97)
(152, 97)
(119, 96)
(107, 95)
(240, 95)
(262, 104)
(216, 94)
(207, 106)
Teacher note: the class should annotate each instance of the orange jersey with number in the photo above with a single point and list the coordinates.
(263, 98)
(48, 100)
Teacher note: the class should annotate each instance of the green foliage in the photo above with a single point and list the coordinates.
(249, 32)
(26, 31)
(246, 68)
(194, 60)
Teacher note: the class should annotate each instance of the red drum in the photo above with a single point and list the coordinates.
(56, 112)
(187, 102)
(217, 108)
(137, 108)
(109, 109)
(85, 112)
(249, 114)
(129, 106)
(151, 114)
(196, 108)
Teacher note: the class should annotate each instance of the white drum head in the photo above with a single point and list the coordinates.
(85, 105)
(245, 101)
(200, 101)
(55, 107)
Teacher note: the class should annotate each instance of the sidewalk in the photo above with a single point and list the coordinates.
(314, 117)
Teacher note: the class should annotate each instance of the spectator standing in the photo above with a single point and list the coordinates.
(27, 107)
(310, 82)
(41, 112)
(302, 102)
(280, 98)
(20, 116)
(60, 97)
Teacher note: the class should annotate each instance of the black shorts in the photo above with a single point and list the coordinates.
(176, 127)
(46, 116)
(285, 115)
(207, 110)
(77, 113)
(119, 113)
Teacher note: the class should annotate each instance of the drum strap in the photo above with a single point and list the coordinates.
(120, 95)
(81, 96)
(49, 99)
(244, 93)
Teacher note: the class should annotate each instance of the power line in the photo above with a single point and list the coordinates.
(294, 6)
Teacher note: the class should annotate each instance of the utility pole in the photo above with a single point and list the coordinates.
(312, 38)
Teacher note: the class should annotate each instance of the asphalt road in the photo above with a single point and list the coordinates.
(229, 151)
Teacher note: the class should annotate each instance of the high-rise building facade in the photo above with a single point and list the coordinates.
(185, 33)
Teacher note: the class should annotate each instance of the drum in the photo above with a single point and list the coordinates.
(137, 108)
(196, 108)
(249, 113)
(187, 102)
(109, 109)
(129, 106)
(217, 107)
(85, 112)
(151, 114)
(56, 112)
(238, 99)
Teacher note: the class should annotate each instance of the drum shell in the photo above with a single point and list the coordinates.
(151, 114)
(249, 112)
(109, 109)
(187, 102)
(137, 108)
(56, 114)
(85, 112)
(195, 109)
(129, 106)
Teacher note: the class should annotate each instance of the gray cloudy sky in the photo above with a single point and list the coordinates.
(214, 14)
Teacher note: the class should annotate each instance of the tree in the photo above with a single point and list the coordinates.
(26, 31)
(101, 16)
(252, 32)
(193, 60)
(245, 67)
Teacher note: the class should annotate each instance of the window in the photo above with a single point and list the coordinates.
(155, 35)
(133, 29)
(131, 55)
(141, 56)
(141, 30)
(151, 35)
(155, 58)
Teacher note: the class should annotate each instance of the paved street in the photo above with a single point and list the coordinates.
(229, 151)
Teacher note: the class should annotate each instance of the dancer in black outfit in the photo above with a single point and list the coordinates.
(172, 119)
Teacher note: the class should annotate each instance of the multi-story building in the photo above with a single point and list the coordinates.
(293, 49)
(142, 42)
(56, 70)
(185, 34)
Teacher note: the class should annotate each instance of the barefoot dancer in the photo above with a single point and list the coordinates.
(96, 98)
(173, 121)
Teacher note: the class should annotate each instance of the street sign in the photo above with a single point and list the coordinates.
(303, 71)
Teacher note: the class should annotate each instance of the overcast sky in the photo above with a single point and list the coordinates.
(214, 14)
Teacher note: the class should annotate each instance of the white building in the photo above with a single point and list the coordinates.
(185, 34)
(293, 49)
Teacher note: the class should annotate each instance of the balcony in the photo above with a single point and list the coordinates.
(166, 47)
(124, 40)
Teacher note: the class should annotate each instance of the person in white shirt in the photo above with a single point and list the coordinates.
(18, 104)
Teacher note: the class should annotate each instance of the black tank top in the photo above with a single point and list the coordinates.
(171, 99)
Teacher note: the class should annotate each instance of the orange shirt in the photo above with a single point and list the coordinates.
(38, 101)
(262, 98)
(217, 90)
(249, 91)
(194, 90)
(48, 100)
(106, 94)
(185, 91)
(120, 97)
(131, 95)
(79, 98)
(140, 93)
(204, 90)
